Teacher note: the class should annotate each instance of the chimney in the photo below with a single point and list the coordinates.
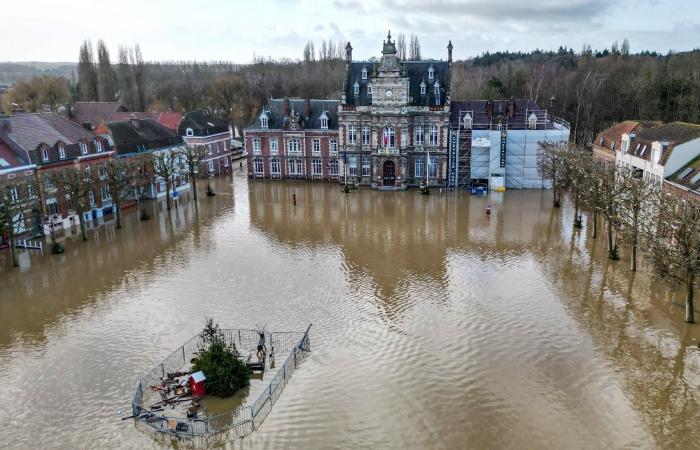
(135, 122)
(348, 55)
(449, 54)
(307, 108)
(286, 106)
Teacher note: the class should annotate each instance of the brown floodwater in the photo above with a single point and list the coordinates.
(435, 325)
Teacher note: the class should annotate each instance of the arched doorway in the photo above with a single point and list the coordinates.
(389, 174)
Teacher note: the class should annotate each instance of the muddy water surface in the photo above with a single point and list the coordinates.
(435, 326)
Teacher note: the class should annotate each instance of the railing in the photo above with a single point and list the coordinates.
(236, 423)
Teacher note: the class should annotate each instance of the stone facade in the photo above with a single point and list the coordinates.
(394, 121)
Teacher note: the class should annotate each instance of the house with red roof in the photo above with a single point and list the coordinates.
(608, 142)
(200, 129)
(18, 175)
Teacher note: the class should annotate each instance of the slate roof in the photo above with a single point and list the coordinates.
(169, 120)
(614, 134)
(416, 71)
(484, 112)
(675, 133)
(147, 135)
(92, 113)
(309, 120)
(201, 124)
(8, 158)
(688, 175)
(32, 130)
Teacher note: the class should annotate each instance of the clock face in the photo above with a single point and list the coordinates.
(389, 93)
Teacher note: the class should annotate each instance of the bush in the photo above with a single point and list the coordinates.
(225, 373)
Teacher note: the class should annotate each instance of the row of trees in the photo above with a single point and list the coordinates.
(124, 181)
(33, 94)
(634, 208)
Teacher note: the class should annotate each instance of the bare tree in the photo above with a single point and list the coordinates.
(610, 195)
(674, 247)
(78, 184)
(194, 156)
(637, 209)
(401, 46)
(15, 198)
(126, 79)
(105, 74)
(576, 165)
(550, 165)
(414, 49)
(87, 73)
(119, 183)
(166, 164)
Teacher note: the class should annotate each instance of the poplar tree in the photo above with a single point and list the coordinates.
(87, 74)
(105, 74)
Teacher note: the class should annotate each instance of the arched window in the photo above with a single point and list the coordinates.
(364, 73)
(433, 135)
(532, 121)
(431, 73)
(467, 121)
(389, 137)
(422, 88)
(263, 121)
(189, 132)
(324, 121)
(369, 89)
(61, 152)
(356, 89)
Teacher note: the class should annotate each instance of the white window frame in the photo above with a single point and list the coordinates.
(352, 135)
(364, 73)
(91, 198)
(333, 168)
(14, 196)
(366, 135)
(422, 87)
(316, 146)
(105, 194)
(352, 165)
(62, 152)
(264, 121)
(83, 148)
(391, 131)
(432, 168)
(419, 168)
(98, 146)
(420, 136)
(316, 167)
(258, 166)
(294, 147)
(333, 146)
(324, 123)
(434, 136)
(275, 166)
(44, 154)
(189, 132)
(356, 88)
(369, 88)
(431, 73)
(274, 148)
(366, 166)
(257, 146)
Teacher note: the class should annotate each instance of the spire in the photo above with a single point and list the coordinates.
(388, 37)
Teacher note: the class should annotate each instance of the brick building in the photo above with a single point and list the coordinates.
(294, 139)
(19, 177)
(609, 141)
(198, 128)
(394, 120)
(53, 143)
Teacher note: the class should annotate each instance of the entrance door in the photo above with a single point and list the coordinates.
(389, 177)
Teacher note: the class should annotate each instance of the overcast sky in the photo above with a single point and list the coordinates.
(52, 30)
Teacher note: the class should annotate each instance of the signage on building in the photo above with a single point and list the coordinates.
(452, 181)
(504, 135)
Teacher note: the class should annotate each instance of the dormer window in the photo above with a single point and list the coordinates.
(431, 73)
(356, 88)
(324, 121)
(369, 89)
(364, 73)
(62, 152)
(436, 88)
(44, 154)
(189, 132)
(532, 121)
(98, 146)
(83, 148)
(422, 88)
(467, 121)
(263, 121)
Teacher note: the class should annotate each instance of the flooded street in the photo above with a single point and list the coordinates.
(435, 325)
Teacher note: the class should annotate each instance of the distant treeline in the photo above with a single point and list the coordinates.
(590, 89)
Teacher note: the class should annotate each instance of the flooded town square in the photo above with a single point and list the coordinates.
(435, 325)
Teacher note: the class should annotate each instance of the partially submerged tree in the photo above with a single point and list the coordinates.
(576, 165)
(194, 156)
(119, 183)
(15, 199)
(550, 166)
(674, 247)
(78, 184)
(166, 164)
(218, 360)
(637, 209)
(610, 193)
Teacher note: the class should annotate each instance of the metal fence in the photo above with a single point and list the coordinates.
(236, 423)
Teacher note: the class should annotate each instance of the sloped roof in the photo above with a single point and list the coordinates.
(485, 111)
(8, 158)
(32, 130)
(147, 134)
(201, 124)
(310, 120)
(675, 133)
(688, 175)
(416, 71)
(93, 113)
(614, 134)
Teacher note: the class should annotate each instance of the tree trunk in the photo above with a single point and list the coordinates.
(194, 186)
(167, 195)
(595, 225)
(689, 310)
(118, 213)
(13, 246)
(577, 220)
(83, 230)
(610, 237)
(633, 260)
